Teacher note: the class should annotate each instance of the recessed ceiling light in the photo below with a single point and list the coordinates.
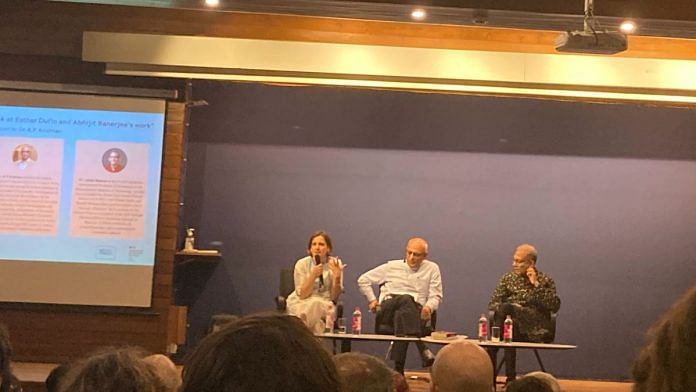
(628, 26)
(418, 14)
(212, 3)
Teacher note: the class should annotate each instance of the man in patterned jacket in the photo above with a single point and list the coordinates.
(529, 296)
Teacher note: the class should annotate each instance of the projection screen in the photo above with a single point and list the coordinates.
(79, 191)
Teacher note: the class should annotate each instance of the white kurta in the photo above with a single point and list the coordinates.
(313, 308)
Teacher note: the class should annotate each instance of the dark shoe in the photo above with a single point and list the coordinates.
(427, 358)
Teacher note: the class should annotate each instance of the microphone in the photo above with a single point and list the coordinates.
(317, 261)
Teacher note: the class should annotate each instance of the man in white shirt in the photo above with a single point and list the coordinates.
(25, 159)
(413, 276)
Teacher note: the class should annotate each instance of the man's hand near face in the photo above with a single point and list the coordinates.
(533, 276)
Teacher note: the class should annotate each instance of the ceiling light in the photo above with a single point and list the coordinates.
(418, 14)
(628, 26)
(212, 3)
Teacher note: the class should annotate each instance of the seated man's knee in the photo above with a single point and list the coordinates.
(505, 309)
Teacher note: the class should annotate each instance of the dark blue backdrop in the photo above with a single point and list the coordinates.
(605, 192)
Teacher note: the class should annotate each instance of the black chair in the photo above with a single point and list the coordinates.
(549, 339)
(285, 288)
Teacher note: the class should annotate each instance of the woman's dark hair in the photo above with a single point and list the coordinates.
(668, 361)
(322, 234)
(113, 370)
(56, 377)
(264, 352)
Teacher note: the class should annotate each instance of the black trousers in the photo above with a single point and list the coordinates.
(510, 354)
(399, 351)
(400, 315)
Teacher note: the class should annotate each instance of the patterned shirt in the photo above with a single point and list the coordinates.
(534, 305)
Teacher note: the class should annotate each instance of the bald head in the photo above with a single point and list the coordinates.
(166, 371)
(525, 256)
(416, 251)
(527, 251)
(360, 372)
(462, 366)
(418, 242)
(25, 152)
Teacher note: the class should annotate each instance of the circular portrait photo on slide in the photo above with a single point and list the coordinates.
(114, 160)
(24, 155)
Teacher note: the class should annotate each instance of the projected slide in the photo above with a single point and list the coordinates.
(79, 179)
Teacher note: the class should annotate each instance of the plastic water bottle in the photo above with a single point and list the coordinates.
(507, 329)
(357, 321)
(483, 328)
(330, 318)
(190, 240)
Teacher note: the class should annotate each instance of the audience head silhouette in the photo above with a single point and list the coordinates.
(360, 372)
(668, 360)
(534, 382)
(462, 366)
(114, 370)
(166, 371)
(56, 377)
(263, 352)
(8, 382)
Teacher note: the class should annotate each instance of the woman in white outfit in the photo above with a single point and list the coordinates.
(316, 285)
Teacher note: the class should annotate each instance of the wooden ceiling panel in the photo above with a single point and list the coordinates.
(56, 29)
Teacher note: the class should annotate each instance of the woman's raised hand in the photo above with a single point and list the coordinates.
(336, 267)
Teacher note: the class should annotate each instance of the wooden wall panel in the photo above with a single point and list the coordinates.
(57, 30)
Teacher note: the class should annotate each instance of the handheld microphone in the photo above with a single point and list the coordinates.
(317, 261)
